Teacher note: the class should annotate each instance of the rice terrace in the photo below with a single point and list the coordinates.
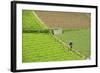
(47, 34)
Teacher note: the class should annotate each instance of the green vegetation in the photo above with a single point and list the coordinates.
(40, 46)
(31, 21)
(80, 38)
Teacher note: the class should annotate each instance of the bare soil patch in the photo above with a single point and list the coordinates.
(65, 19)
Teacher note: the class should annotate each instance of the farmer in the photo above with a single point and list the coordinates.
(70, 44)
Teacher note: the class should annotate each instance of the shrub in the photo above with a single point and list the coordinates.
(36, 30)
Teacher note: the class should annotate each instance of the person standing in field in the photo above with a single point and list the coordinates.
(70, 44)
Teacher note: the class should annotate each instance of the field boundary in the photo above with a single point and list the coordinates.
(39, 20)
(65, 45)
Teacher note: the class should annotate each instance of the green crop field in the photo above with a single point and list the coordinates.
(44, 47)
(80, 39)
(41, 47)
(31, 21)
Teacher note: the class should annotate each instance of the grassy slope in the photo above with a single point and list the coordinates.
(42, 47)
(30, 20)
(80, 38)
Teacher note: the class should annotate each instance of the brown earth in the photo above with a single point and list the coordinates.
(65, 19)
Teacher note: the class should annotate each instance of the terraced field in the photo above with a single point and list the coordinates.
(43, 47)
